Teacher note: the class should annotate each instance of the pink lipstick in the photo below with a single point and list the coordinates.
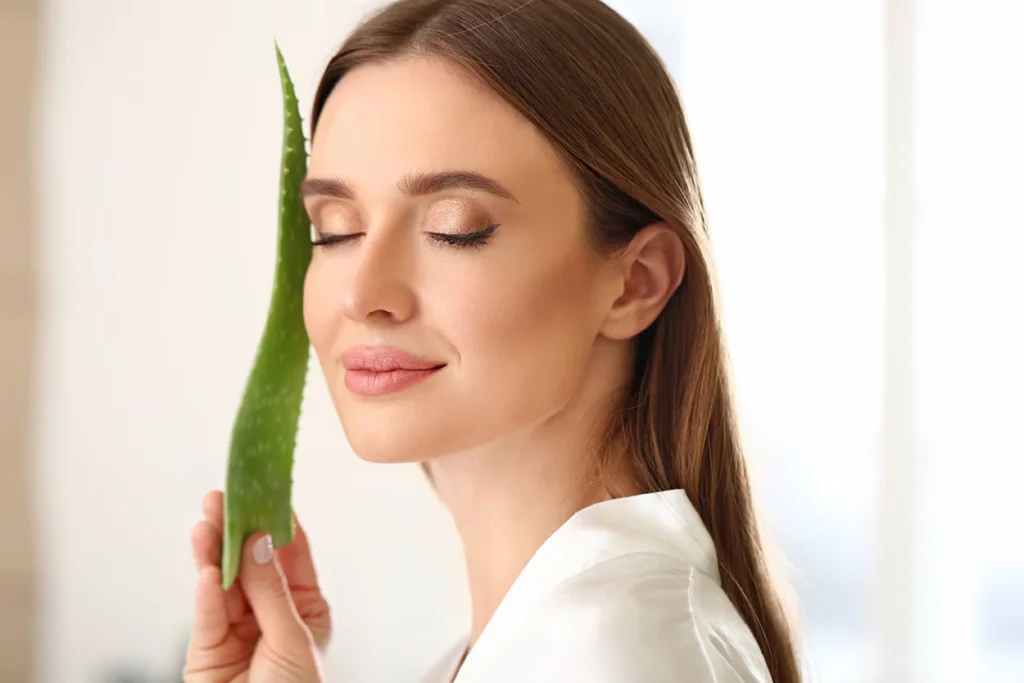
(382, 370)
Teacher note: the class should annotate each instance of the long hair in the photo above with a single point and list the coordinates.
(592, 84)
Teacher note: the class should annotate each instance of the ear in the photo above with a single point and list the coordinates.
(651, 269)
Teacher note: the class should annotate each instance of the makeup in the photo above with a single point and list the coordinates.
(383, 370)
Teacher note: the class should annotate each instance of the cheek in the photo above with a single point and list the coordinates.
(319, 307)
(525, 328)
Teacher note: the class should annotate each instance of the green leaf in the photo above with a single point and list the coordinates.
(257, 496)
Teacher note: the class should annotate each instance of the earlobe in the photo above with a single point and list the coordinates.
(652, 268)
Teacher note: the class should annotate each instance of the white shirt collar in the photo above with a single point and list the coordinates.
(664, 524)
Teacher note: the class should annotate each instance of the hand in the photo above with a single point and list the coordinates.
(270, 625)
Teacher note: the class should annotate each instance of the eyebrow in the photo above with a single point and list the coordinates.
(414, 185)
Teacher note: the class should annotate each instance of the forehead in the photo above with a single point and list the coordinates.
(386, 119)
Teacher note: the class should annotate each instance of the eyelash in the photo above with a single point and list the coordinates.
(474, 239)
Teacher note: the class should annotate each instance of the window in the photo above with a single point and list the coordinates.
(788, 106)
(969, 337)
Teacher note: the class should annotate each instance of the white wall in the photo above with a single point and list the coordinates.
(159, 144)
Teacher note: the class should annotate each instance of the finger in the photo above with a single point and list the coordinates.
(266, 589)
(297, 560)
(207, 549)
(238, 606)
(213, 510)
(205, 545)
(211, 625)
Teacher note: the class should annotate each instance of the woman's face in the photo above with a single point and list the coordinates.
(461, 304)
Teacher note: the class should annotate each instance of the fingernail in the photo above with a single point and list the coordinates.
(263, 550)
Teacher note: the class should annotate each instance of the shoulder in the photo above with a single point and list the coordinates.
(642, 617)
(627, 591)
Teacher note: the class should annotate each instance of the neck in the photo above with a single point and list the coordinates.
(506, 504)
(508, 497)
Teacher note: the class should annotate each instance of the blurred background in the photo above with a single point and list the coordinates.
(863, 169)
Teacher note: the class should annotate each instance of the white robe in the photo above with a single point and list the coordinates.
(626, 591)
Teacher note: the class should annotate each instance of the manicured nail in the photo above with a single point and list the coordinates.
(263, 550)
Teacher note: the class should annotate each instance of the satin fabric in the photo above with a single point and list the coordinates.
(626, 591)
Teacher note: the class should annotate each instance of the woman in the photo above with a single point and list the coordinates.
(512, 285)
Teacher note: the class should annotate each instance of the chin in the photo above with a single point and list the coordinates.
(382, 434)
(384, 448)
(418, 428)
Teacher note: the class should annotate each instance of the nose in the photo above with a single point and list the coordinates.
(379, 285)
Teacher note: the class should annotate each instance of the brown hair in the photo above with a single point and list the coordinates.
(592, 84)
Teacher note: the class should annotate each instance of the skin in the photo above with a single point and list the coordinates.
(534, 330)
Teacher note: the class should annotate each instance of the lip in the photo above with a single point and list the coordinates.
(382, 370)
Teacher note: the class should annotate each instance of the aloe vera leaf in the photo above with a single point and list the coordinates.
(257, 496)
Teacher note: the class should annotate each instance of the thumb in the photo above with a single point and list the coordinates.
(266, 588)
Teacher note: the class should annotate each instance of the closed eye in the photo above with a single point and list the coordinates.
(472, 239)
(326, 239)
